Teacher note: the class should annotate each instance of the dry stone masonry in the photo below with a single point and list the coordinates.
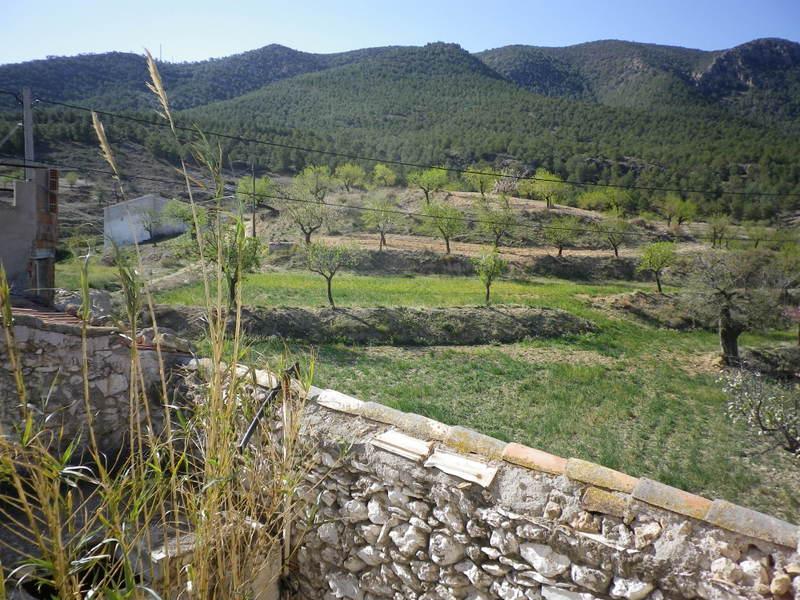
(50, 350)
(408, 508)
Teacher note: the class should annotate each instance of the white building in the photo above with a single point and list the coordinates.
(138, 220)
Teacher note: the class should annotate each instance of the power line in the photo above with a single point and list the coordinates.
(349, 156)
(422, 215)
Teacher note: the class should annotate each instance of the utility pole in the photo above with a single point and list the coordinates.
(253, 175)
(27, 130)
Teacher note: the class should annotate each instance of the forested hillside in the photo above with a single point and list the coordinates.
(603, 112)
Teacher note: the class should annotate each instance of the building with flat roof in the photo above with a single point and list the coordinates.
(29, 235)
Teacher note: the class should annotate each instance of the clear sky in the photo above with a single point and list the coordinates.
(199, 29)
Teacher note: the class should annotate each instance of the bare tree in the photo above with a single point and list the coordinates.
(770, 408)
(737, 290)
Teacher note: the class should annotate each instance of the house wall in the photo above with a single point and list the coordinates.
(19, 226)
(123, 223)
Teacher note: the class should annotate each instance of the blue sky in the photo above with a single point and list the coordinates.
(199, 29)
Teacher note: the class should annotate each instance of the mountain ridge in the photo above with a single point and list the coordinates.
(601, 112)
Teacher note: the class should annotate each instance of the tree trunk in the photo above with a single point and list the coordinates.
(497, 240)
(616, 252)
(330, 295)
(232, 293)
(447, 244)
(427, 197)
(488, 286)
(658, 282)
(728, 338)
(383, 242)
(560, 250)
(308, 237)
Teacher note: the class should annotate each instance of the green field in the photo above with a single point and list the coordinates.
(633, 397)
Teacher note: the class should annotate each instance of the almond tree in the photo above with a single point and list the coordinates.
(657, 257)
(351, 175)
(327, 260)
(496, 219)
(561, 232)
(443, 220)
(383, 176)
(481, 178)
(545, 185)
(306, 208)
(429, 181)
(738, 290)
(382, 215)
(771, 408)
(613, 231)
(489, 267)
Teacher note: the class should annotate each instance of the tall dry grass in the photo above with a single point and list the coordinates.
(187, 510)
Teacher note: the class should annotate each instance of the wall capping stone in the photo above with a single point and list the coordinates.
(609, 492)
(752, 523)
(672, 499)
(600, 476)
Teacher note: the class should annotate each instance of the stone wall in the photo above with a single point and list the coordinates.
(51, 355)
(406, 507)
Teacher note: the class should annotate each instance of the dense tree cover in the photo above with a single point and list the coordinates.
(759, 80)
(441, 105)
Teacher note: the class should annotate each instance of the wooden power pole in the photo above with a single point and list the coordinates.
(27, 130)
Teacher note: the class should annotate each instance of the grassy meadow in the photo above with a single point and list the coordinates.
(633, 397)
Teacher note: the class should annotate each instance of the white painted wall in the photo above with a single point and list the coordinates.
(123, 222)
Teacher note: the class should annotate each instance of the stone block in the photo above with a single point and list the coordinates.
(532, 458)
(751, 523)
(465, 440)
(462, 467)
(339, 402)
(672, 499)
(588, 472)
(403, 445)
(608, 503)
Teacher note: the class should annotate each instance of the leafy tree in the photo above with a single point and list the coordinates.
(181, 212)
(306, 207)
(383, 215)
(545, 186)
(561, 232)
(72, 179)
(315, 181)
(757, 233)
(234, 252)
(326, 260)
(255, 193)
(655, 258)
(482, 178)
(429, 181)
(676, 209)
(737, 289)
(151, 219)
(443, 220)
(770, 408)
(718, 227)
(351, 175)
(383, 176)
(496, 219)
(606, 199)
(613, 232)
(489, 267)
